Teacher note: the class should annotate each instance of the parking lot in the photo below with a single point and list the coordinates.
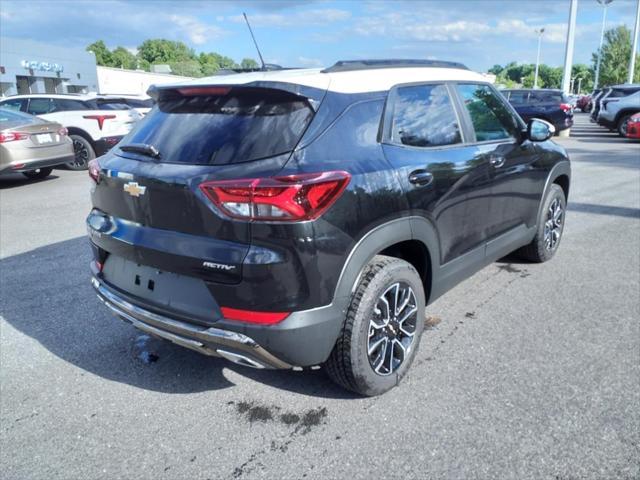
(525, 371)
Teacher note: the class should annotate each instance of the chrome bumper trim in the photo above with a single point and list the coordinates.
(208, 341)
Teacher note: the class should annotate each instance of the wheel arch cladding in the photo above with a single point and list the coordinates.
(563, 181)
(82, 133)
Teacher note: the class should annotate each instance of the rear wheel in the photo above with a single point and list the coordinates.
(38, 173)
(382, 330)
(622, 125)
(83, 153)
(550, 227)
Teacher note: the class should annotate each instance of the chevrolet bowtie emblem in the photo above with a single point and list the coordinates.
(133, 189)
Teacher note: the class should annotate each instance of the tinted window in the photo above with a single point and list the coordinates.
(39, 106)
(423, 116)
(548, 97)
(116, 104)
(135, 103)
(518, 98)
(622, 92)
(491, 118)
(17, 104)
(242, 125)
(64, 105)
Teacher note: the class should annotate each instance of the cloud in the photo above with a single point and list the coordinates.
(197, 31)
(310, 62)
(299, 18)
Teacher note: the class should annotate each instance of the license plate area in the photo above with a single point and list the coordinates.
(187, 296)
(44, 138)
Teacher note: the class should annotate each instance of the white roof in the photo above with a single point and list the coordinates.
(353, 81)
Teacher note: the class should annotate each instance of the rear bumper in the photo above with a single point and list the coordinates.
(303, 339)
(30, 165)
(210, 341)
(105, 144)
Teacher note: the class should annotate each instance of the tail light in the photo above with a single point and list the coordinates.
(94, 170)
(292, 198)
(6, 137)
(99, 118)
(250, 316)
(565, 107)
(63, 132)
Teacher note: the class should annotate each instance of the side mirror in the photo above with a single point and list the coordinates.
(539, 130)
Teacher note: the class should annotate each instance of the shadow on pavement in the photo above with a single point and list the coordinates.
(604, 210)
(13, 180)
(47, 296)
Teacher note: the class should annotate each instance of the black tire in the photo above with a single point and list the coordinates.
(541, 249)
(38, 173)
(84, 153)
(349, 364)
(622, 126)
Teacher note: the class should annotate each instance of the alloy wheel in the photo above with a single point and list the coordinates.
(392, 328)
(81, 154)
(553, 225)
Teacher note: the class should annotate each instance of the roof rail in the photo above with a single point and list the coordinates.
(351, 65)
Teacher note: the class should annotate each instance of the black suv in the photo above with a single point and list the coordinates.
(550, 105)
(299, 218)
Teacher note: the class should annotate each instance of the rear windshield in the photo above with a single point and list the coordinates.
(239, 125)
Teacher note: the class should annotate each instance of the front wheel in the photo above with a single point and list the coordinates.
(83, 153)
(38, 173)
(622, 125)
(382, 331)
(550, 227)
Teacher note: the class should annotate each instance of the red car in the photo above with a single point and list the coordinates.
(584, 103)
(633, 126)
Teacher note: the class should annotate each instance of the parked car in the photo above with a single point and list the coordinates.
(387, 183)
(95, 125)
(550, 105)
(32, 146)
(617, 106)
(595, 109)
(633, 126)
(141, 103)
(584, 103)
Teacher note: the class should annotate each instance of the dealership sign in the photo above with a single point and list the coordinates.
(42, 66)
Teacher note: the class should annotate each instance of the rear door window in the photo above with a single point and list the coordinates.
(518, 98)
(40, 106)
(65, 105)
(237, 125)
(424, 116)
(491, 118)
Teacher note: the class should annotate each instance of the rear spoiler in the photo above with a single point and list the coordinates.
(313, 95)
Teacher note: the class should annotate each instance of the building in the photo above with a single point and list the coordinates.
(27, 66)
(118, 81)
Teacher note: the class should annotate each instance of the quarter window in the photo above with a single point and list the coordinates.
(491, 119)
(423, 116)
(16, 105)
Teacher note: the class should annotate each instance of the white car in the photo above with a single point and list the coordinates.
(95, 124)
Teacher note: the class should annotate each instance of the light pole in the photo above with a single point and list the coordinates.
(605, 4)
(535, 78)
(568, 53)
(579, 84)
(634, 45)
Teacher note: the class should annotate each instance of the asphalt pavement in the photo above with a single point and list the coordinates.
(525, 372)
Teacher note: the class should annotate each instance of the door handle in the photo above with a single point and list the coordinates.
(497, 161)
(420, 177)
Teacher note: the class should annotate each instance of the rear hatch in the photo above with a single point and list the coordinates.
(148, 204)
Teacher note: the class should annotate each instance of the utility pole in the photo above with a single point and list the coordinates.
(535, 78)
(568, 54)
(605, 4)
(634, 45)
(579, 85)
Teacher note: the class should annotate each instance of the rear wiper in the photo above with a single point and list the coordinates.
(143, 148)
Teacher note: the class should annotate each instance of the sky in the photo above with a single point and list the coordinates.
(297, 33)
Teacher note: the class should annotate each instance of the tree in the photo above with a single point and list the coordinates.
(616, 50)
(102, 53)
(496, 69)
(123, 58)
(549, 77)
(161, 51)
(186, 68)
(248, 63)
(582, 71)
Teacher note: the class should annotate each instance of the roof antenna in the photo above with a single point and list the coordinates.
(254, 40)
